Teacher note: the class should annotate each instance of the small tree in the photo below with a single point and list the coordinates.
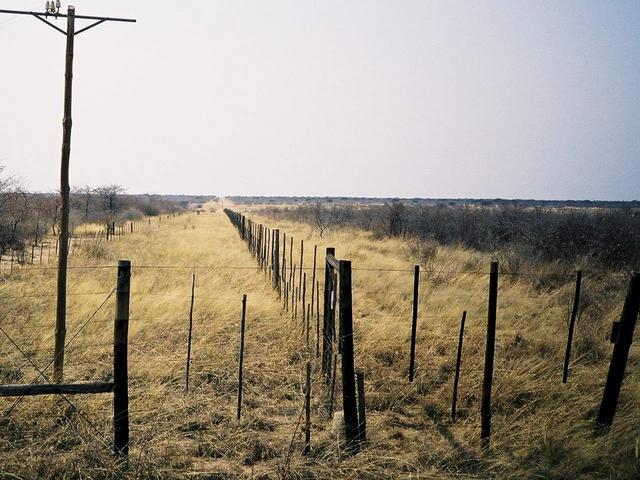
(52, 210)
(321, 218)
(110, 193)
(84, 196)
(396, 219)
(13, 211)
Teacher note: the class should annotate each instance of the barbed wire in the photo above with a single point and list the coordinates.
(269, 266)
(52, 295)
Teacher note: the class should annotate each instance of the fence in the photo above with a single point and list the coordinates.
(339, 293)
(119, 385)
(257, 235)
(44, 250)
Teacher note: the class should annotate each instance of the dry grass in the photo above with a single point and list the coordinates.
(541, 428)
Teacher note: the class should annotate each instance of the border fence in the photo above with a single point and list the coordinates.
(261, 241)
(335, 345)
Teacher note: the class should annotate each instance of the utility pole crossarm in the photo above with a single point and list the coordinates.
(64, 15)
(42, 16)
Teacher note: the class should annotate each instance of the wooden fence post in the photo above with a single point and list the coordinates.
(414, 321)
(456, 378)
(348, 362)
(193, 289)
(120, 369)
(572, 322)
(622, 336)
(241, 359)
(328, 327)
(276, 261)
(485, 411)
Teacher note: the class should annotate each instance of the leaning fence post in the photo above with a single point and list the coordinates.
(241, 359)
(414, 321)
(622, 336)
(487, 382)
(193, 289)
(456, 378)
(120, 371)
(572, 322)
(348, 362)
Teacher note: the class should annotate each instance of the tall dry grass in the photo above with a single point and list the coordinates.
(542, 429)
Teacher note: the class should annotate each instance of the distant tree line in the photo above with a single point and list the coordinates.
(601, 237)
(25, 216)
(417, 202)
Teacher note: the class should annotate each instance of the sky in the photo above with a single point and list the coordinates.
(450, 99)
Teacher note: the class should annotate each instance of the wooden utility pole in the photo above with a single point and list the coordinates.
(63, 252)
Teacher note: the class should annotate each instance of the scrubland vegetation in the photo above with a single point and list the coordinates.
(541, 428)
(602, 238)
(26, 216)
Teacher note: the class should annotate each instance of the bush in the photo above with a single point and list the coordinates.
(600, 237)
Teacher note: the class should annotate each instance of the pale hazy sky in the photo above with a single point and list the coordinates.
(524, 99)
